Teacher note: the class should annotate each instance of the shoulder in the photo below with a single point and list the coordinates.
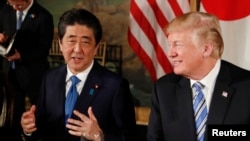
(169, 78)
(104, 72)
(56, 72)
(234, 71)
(106, 76)
(6, 8)
(38, 9)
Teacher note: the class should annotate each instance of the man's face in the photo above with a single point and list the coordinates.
(79, 47)
(185, 55)
(19, 5)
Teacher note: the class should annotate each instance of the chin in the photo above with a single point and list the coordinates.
(178, 72)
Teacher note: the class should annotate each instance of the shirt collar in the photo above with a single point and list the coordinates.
(209, 79)
(81, 75)
(25, 11)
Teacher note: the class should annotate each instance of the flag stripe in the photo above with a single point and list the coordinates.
(146, 36)
(175, 7)
(143, 56)
(142, 47)
(146, 27)
(158, 14)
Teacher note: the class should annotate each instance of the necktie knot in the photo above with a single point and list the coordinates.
(198, 86)
(74, 80)
(20, 13)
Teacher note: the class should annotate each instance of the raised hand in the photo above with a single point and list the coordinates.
(28, 120)
(87, 127)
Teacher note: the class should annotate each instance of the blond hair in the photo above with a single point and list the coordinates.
(204, 26)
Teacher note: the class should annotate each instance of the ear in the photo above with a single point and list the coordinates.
(60, 44)
(97, 47)
(207, 49)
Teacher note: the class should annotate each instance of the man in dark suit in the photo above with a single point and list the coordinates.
(104, 109)
(33, 40)
(195, 49)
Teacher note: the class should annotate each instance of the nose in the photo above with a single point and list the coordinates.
(77, 47)
(17, 6)
(171, 51)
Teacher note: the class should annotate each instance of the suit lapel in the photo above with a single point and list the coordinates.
(184, 97)
(31, 15)
(90, 89)
(59, 90)
(221, 97)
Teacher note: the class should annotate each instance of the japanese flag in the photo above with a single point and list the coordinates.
(235, 22)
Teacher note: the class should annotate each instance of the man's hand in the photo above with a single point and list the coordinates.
(3, 38)
(87, 127)
(15, 56)
(28, 121)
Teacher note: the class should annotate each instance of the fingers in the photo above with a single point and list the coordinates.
(86, 126)
(28, 120)
(91, 114)
(32, 109)
(84, 117)
(80, 115)
(15, 56)
(3, 37)
(30, 113)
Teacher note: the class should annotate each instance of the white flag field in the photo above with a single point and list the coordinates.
(145, 34)
(234, 18)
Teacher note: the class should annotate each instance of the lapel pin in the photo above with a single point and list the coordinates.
(32, 16)
(92, 90)
(224, 94)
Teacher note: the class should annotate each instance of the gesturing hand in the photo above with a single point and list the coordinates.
(28, 120)
(87, 126)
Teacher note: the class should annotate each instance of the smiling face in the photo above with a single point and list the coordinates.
(195, 44)
(79, 47)
(186, 57)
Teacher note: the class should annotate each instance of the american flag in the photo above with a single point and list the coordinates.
(146, 37)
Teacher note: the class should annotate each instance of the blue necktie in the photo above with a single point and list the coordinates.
(71, 97)
(18, 26)
(200, 111)
(19, 20)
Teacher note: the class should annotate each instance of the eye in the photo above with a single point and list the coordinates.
(176, 44)
(179, 45)
(85, 42)
(70, 41)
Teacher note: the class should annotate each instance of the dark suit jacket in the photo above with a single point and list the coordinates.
(33, 42)
(172, 117)
(112, 105)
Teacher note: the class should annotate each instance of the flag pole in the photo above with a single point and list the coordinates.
(194, 5)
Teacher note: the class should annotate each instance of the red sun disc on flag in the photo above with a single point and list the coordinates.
(228, 9)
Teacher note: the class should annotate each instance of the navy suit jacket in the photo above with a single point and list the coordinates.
(172, 117)
(111, 101)
(33, 41)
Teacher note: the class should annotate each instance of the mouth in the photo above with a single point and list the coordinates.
(76, 59)
(176, 63)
